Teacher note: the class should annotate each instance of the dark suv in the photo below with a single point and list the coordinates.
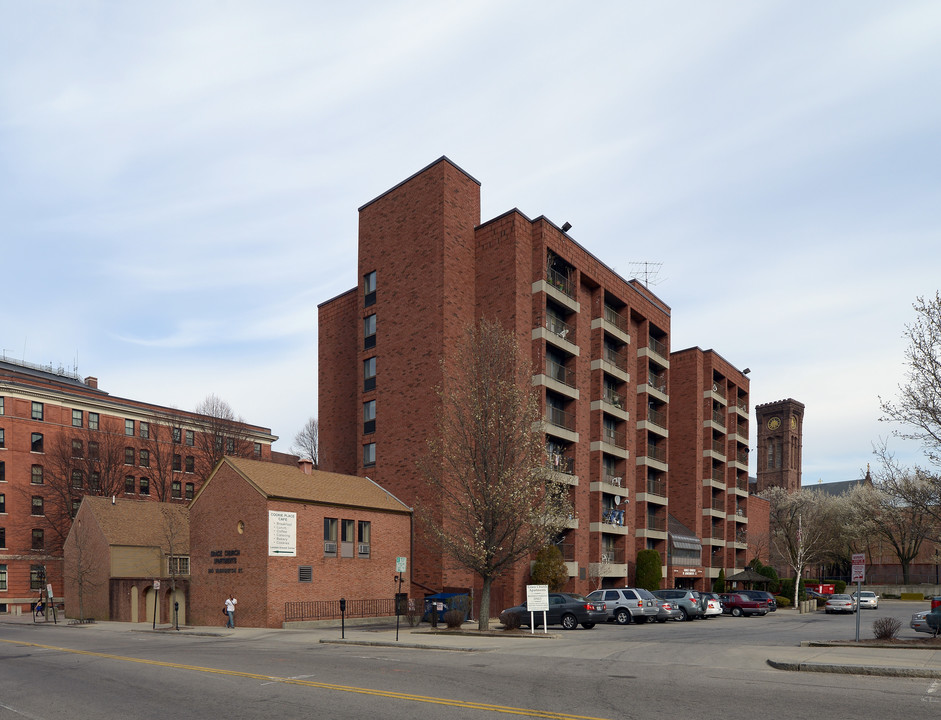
(761, 596)
(688, 600)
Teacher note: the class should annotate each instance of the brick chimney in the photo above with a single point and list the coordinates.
(92, 382)
(306, 466)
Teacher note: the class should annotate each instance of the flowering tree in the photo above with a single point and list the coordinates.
(486, 464)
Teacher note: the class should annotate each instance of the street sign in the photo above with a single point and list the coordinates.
(859, 558)
(537, 598)
(156, 584)
(400, 564)
(859, 573)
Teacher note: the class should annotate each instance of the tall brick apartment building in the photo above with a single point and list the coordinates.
(599, 346)
(61, 438)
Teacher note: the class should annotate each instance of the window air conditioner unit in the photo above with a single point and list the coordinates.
(330, 547)
(364, 549)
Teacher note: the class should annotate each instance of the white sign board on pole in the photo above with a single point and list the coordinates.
(859, 573)
(400, 564)
(282, 533)
(859, 558)
(537, 600)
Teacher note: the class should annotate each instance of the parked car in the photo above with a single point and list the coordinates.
(737, 605)
(761, 596)
(919, 622)
(668, 610)
(867, 599)
(711, 604)
(565, 609)
(935, 601)
(840, 604)
(625, 605)
(688, 600)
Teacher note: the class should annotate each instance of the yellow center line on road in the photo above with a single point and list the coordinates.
(507, 710)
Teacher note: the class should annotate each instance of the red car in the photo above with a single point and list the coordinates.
(737, 605)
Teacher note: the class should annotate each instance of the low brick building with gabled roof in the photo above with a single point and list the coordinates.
(273, 535)
(115, 550)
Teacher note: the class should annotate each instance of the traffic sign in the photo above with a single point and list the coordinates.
(859, 573)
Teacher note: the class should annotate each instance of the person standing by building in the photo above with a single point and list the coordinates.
(230, 604)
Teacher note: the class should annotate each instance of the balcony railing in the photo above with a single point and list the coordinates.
(718, 504)
(657, 487)
(742, 458)
(617, 359)
(741, 429)
(655, 523)
(558, 327)
(657, 346)
(612, 556)
(615, 318)
(559, 372)
(718, 446)
(615, 480)
(718, 475)
(613, 398)
(657, 417)
(657, 452)
(561, 463)
(718, 388)
(741, 404)
(717, 534)
(613, 516)
(657, 381)
(567, 550)
(718, 418)
(742, 484)
(560, 418)
(614, 437)
(560, 281)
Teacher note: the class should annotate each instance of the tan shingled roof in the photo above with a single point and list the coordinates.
(291, 483)
(140, 523)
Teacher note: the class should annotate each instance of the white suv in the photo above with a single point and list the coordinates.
(625, 605)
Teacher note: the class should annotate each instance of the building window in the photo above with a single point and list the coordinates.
(93, 452)
(94, 481)
(2, 439)
(256, 450)
(129, 485)
(3, 544)
(189, 491)
(178, 565)
(128, 456)
(37, 411)
(347, 531)
(92, 421)
(176, 490)
(3, 504)
(77, 418)
(177, 434)
(369, 374)
(77, 449)
(35, 442)
(144, 458)
(177, 463)
(1, 406)
(36, 475)
(39, 539)
(305, 573)
(145, 486)
(190, 438)
(369, 331)
(369, 289)
(369, 417)
(190, 464)
(363, 533)
(3, 471)
(37, 506)
(77, 479)
(3, 572)
(144, 429)
(329, 536)
(36, 576)
(369, 454)
(129, 428)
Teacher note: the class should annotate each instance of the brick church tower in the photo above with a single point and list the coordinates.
(780, 434)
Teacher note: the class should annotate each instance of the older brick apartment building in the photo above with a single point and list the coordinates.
(61, 437)
(600, 348)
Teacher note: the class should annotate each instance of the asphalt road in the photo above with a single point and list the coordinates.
(705, 669)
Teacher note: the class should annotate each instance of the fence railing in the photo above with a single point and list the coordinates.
(330, 609)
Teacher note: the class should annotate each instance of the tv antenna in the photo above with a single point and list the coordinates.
(646, 271)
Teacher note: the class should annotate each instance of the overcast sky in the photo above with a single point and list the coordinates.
(180, 179)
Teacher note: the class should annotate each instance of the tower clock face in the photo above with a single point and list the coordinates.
(774, 423)
(793, 423)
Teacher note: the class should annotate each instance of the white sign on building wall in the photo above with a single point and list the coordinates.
(282, 533)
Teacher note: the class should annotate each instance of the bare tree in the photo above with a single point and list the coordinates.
(223, 433)
(486, 464)
(918, 407)
(83, 574)
(306, 445)
(806, 527)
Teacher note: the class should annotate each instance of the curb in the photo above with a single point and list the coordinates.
(854, 669)
(410, 646)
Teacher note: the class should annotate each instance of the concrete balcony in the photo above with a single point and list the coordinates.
(559, 288)
(614, 324)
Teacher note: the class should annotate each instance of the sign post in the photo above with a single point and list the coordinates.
(156, 600)
(859, 574)
(400, 564)
(537, 598)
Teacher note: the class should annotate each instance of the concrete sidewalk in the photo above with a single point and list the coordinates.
(843, 658)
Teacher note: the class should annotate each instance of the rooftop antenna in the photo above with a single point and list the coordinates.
(647, 271)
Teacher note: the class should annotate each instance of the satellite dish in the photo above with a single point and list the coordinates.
(617, 499)
(715, 387)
